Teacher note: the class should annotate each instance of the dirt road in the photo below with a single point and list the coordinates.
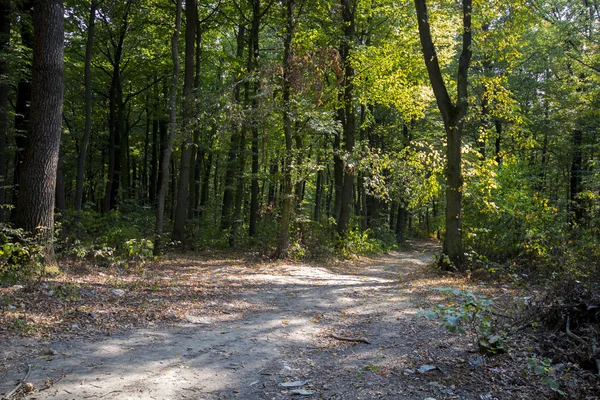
(285, 337)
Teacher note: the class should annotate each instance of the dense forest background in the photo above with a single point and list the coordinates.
(309, 128)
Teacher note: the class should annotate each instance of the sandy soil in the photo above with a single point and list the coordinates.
(255, 327)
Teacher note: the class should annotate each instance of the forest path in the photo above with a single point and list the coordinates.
(279, 329)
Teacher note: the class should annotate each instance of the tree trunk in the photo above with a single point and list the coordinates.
(35, 209)
(5, 15)
(253, 53)
(191, 17)
(452, 115)
(349, 118)
(22, 106)
(234, 148)
(575, 203)
(88, 106)
(286, 204)
(166, 157)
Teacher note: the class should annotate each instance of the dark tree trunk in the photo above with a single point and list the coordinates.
(22, 106)
(5, 15)
(154, 163)
(575, 203)
(60, 197)
(349, 118)
(453, 116)
(319, 187)
(234, 148)
(35, 209)
(88, 106)
(116, 119)
(166, 156)
(286, 204)
(191, 16)
(253, 53)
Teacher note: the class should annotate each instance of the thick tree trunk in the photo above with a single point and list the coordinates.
(452, 115)
(5, 15)
(35, 209)
(166, 157)
(88, 106)
(191, 16)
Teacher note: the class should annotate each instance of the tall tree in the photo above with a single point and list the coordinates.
(347, 114)
(166, 157)
(191, 18)
(453, 114)
(35, 208)
(5, 8)
(286, 204)
(88, 105)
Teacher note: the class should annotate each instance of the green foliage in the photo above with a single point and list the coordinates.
(357, 243)
(21, 256)
(543, 369)
(471, 314)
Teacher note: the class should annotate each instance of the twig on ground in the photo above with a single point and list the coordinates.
(12, 392)
(350, 339)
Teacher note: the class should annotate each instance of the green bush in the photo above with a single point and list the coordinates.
(21, 256)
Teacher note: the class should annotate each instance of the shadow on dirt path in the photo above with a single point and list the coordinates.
(290, 333)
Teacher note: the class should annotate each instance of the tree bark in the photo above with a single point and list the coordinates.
(252, 69)
(349, 118)
(35, 209)
(453, 116)
(5, 15)
(88, 106)
(575, 203)
(166, 157)
(191, 16)
(288, 186)
(22, 106)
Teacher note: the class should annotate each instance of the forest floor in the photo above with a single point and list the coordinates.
(217, 326)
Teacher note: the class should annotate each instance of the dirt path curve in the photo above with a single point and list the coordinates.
(284, 337)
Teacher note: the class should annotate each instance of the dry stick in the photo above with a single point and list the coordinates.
(8, 396)
(349, 339)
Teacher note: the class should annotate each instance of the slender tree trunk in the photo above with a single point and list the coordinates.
(5, 15)
(22, 106)
(349, 121)
(166, 157)
(116, 118)
(252, 69)
(453, 116)
(235, 149)
(498, 125)
(286, 204)
(35, 209)
(60, 196)
(191, 16)
(88, 106)
(575, 203)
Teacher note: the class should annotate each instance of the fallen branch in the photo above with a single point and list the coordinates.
(12, 392)
(349, 339)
